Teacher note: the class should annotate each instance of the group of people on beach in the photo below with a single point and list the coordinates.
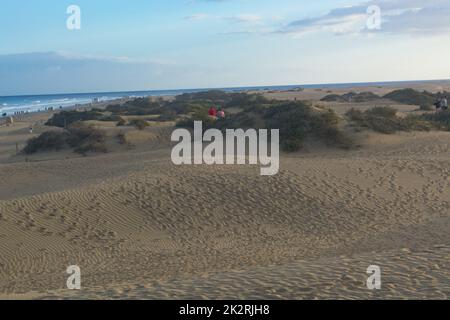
(441, 103)
(216, 113)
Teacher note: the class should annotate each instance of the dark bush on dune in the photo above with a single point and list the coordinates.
(211, 95)
(84, 139)
(298, 121)
(379, 119)
(416, 123)
(295, 120)
(137, 107)
(47, 141)
(188, 122)
(385, 120)
(81, 138)
(246, 101)
(241, 120)
(412, 97)
(139, 124)
(80, 134)
(360, 97)
(64, 119)
(351, 97)
(441, 120)
(333, 98)
(222, 98)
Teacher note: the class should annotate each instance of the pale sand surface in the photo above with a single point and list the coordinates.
(140, 227)
(413, 274)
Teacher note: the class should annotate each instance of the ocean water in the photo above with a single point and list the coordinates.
(33, 103)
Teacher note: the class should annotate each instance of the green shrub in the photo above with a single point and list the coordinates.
(360, 96)
(355, 115)
(294, 122)
(351, 97)
(47, 141)
(86, 139)
(79, 137)
(139, 124)
(384, 125)
(385, 120)
(64, 119)
(379, 119)
(383, 112)
(137, 107)
(298, 121)
(440, 120)
(412, 97)
(333, 98)
(415, 123)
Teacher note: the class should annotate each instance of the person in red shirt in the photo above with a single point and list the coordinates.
(212, 112)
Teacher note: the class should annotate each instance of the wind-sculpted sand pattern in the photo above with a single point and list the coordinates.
(148, 229)
(414, 274)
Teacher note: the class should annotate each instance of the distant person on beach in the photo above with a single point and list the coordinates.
(31, 130)
(212, 112)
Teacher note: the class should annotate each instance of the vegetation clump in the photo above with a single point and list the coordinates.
(412, 97)
(440, 120)
(81, 138)
(139, 124)
(296, 121)
(351, 97)
(47, 141)
(64, 119)
(385, 120)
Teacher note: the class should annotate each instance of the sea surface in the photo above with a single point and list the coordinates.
(33, 103)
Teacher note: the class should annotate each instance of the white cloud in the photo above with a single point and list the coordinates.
(197, 16)
(245, 18)
(398, 17)
(116, 59)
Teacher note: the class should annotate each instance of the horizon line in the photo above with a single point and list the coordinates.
(386, 82)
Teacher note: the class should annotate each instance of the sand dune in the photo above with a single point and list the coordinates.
(140, 227)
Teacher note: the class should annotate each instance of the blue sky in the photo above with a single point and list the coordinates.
(145, 44)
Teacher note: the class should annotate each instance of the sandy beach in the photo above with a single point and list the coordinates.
(140, 227)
